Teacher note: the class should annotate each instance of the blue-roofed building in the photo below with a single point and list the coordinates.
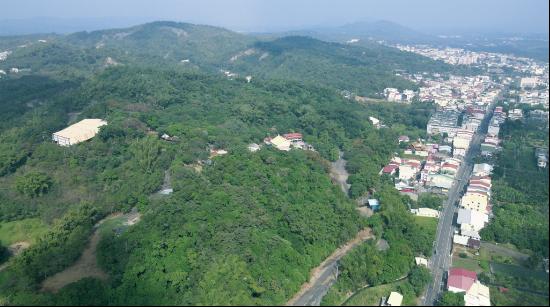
(374, 204)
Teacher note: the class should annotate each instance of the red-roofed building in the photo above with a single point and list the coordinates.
(389, 169)
(480, 182)
(460, 280)
(293, 136)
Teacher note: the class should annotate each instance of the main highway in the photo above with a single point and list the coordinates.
(441, 259)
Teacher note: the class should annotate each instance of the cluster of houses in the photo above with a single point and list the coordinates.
(491, 142)
(433, 167)
(495, 62)
(475, 207)
(530, 93)
(464, 281)
(285, 142)
(456, 91)
(394, 95)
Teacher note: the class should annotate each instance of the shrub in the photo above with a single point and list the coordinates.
(33, 184)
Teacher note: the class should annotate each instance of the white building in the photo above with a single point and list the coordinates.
(79, 132)
(426, 212)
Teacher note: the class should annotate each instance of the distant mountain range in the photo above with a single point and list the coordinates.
(366, 33)
(365, 70)
(530, 45)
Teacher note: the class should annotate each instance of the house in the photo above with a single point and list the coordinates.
(79, 132)
(473, 243)
(446, 149)
(460, 239)
(395, 299)
(253, 147)
(460, 280)
(169, 138)
(471, 219)
(465, 230)
(475, 200)
(374, 204)
(477, 295)
(482, 169)
(217, 152)
(293, 137)
(281, 143)
(542, 157)
(375, 122)
(448, 168)
(389, 169)
(426, 212)
(442, 181)
(403, 138)
(407, 172)
(421, 261)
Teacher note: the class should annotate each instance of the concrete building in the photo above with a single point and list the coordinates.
(395, 299)
(426, 212)
(443, 121)
(281, 143)
(477, 295)
(477, 201)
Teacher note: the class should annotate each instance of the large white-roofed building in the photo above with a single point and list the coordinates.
(79, 132)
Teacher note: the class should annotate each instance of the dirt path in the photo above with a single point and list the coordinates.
(323, 276)
(86, 265)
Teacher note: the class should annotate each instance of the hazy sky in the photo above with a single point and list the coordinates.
(258, 15)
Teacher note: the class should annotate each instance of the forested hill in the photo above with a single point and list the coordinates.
(365, 70)
(244, 228)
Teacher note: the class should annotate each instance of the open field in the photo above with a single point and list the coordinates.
(27, 230)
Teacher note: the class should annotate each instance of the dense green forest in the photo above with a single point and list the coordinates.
(224, 213)
(241, 228)
(520, 190)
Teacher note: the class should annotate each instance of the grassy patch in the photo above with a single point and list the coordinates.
(109, 226)
(466, 263)
(495, 256)
(428, 223)
(28, 230)
(371, 296)
(516, 298)
(517, 271)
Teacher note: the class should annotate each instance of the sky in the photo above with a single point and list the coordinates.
(431, 16)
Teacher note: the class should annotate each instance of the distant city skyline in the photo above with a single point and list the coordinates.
(430, 16)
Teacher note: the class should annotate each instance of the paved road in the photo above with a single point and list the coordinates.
(320, 287)
(325, 275)
(441, 259)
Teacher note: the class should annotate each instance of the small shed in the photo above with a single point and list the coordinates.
(374, 204)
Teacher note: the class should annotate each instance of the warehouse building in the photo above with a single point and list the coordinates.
(79, 132)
